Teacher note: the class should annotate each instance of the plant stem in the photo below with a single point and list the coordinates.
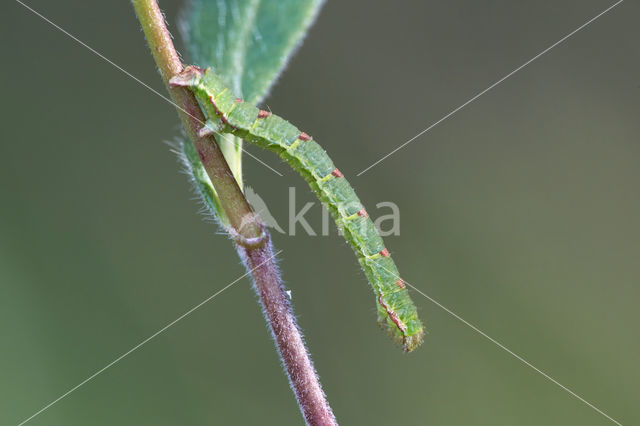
(235, 205)
(288, 338)
(258, 258)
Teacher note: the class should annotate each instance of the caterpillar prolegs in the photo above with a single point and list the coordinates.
(227, 114)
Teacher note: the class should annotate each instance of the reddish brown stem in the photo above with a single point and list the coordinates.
(258, 259)
(282, 322)
(231, 198)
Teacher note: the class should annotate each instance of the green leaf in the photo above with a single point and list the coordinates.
(247, 42)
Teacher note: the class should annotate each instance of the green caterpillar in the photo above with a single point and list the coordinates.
(227, 114)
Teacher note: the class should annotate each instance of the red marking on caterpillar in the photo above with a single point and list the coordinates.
(385, 253)
(400, 283)
(392, 315)
(263, 114)
(238, 100)
(363, 213)
(337, 173)
(304, 137)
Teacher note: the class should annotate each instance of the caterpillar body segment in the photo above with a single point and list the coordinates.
(228, 114)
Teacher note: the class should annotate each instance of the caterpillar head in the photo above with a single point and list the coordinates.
(188, 77)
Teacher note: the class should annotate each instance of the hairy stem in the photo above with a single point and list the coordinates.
(235, 205)
(288, 338)
(258, 258)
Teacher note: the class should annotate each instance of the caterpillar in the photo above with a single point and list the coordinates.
(227, 114)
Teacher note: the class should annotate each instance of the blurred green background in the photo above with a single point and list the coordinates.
(520, 213)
